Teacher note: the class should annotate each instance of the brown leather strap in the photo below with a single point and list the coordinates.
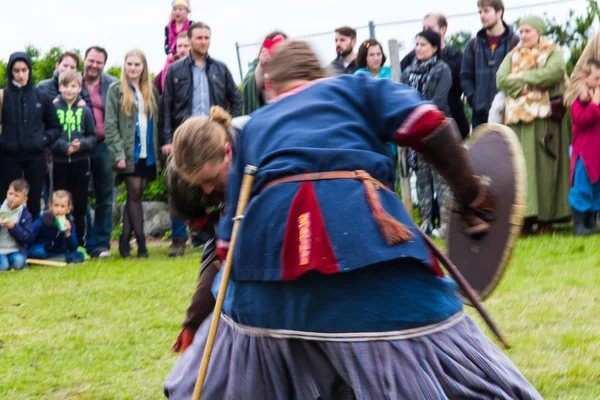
(392, 230)
(316, 176)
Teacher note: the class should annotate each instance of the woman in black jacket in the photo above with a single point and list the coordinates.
(431, 77)
(29, 126)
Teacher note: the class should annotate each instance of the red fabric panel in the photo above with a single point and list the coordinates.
(306, 245)
(434, 265)
(420, 125)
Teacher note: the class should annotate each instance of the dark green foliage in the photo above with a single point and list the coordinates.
(114, 71)
(459, 39)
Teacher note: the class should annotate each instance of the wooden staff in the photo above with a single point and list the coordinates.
(245, 191)
(49, 263)
(402, 151)
(465, 286)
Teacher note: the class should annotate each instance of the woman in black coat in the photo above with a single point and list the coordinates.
(29, 126)
(431, 77)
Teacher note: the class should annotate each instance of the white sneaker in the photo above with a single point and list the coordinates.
(438, 233)
(105, 254)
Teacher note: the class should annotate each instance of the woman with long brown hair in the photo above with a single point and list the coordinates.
(131, 131)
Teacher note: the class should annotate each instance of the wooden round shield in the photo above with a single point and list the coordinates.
(497, 158)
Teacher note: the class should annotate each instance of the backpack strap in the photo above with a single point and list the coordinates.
(474, 45)
(513, 41)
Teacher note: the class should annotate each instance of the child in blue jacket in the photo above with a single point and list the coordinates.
(15, 226)
(54, 231)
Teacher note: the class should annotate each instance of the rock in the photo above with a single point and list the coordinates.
(157, 220)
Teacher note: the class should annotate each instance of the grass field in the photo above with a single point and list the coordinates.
(104, 329)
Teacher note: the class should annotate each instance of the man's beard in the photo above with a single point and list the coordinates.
(490, 25)
(346, 52)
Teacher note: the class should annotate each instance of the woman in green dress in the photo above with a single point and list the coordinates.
(533, 76)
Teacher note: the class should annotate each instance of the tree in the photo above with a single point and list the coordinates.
(114, 71)
(459, 40)
(574, 33)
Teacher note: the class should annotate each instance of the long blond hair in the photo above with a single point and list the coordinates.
(145, 87)
(200, 140)
(575, 89)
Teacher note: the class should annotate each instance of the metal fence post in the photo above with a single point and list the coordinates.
(237, 50)
(372, 29)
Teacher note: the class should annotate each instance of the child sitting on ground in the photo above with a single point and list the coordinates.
(15, 226)
(54, 231)
(584, 195)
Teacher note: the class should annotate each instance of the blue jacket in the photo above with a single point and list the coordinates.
(23, 230)
(385, 73)
(479, 67)
(324, 127)
(46, 232)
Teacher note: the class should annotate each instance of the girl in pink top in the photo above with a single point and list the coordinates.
(584, 196)
(178, 23)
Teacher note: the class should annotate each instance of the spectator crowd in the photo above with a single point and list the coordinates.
(80, 129)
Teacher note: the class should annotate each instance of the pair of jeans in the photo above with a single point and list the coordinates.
(584, 196)
(178, 229)
(16, 260)
(103, 180)
(40, 252)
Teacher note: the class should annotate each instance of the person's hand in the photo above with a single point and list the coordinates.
(76, 144)
(70, 150)
(166, 149)
(82, 103)
(67, 228)
(516, 77)
(596, 96)
(56, 100)
(264, 58)
(9, 223)
(586, 95)
(171, 57)
(122, 164)
(184, 340)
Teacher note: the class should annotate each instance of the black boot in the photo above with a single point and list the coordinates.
(591, 218)
(124, 246)
(142, 249)
(579, 222)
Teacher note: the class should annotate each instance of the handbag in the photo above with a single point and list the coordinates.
(558, 109)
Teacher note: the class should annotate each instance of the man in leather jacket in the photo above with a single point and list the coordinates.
(192, 86)
(182, 90)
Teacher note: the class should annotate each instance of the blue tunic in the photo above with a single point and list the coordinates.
(339, 124)
(363, 284)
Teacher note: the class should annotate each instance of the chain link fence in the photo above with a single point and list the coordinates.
(323, 42)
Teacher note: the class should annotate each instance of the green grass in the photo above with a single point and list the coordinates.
(104, 329)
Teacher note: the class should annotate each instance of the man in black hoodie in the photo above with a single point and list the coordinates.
(29, 127)
(483, 56)
(453, 57)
